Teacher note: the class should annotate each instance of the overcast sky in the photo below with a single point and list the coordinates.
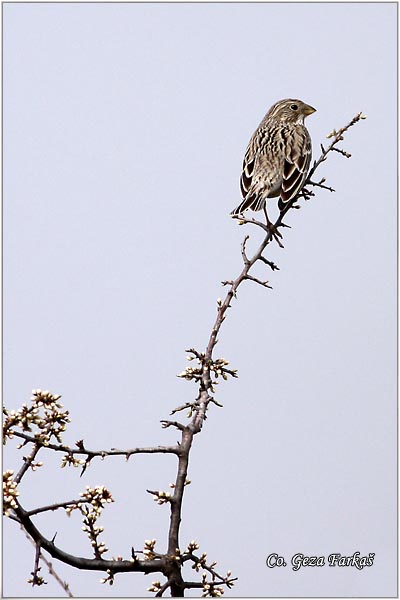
(124, 132)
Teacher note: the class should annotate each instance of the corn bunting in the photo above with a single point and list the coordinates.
(277, 158)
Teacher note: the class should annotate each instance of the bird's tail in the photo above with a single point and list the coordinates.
(249, 203)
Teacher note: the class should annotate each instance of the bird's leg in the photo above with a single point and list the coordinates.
(266, 214)
(275, 233)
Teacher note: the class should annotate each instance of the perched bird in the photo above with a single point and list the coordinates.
(277, 158)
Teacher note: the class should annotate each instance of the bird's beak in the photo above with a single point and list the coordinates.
(308, 110)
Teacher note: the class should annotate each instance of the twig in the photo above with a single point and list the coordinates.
(28, 460)
(273, 266)
(319, 184)
(244, 256)
(96, 453)
(256, 280)
(346, 154)
(162, 589)
(36, 578)
(338, 137)
(176, 424)
(190, 405)
(53, 573)
(52, 507)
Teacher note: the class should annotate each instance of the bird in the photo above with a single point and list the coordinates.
(277, 158)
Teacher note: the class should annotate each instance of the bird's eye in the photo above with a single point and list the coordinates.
(294, 107)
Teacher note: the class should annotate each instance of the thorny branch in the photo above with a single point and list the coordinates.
(63, 584)
(90, 454)
(36, 578)
(43, 423)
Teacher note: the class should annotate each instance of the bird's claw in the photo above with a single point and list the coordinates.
(275, 233)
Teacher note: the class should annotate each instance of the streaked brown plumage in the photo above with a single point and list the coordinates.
(277, 158)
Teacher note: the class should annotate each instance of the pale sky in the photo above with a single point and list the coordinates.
(124, 132)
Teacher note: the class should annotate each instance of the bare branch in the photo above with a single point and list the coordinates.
(28, 460)
(346, 154)
(245, 220)
(190, 405)
(56, 506)
(338, 137)
(162, 589)
(263, 283)
(98, 453)
(244, 256)
(90, 564)
(176, 424)
(36, 578)
(53, 573)
(273, 266)
(320, 184)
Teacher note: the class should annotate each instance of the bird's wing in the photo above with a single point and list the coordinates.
(249, 162)
(246, 180)
(297, 162)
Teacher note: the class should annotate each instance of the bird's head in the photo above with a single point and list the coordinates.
(290, 111)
